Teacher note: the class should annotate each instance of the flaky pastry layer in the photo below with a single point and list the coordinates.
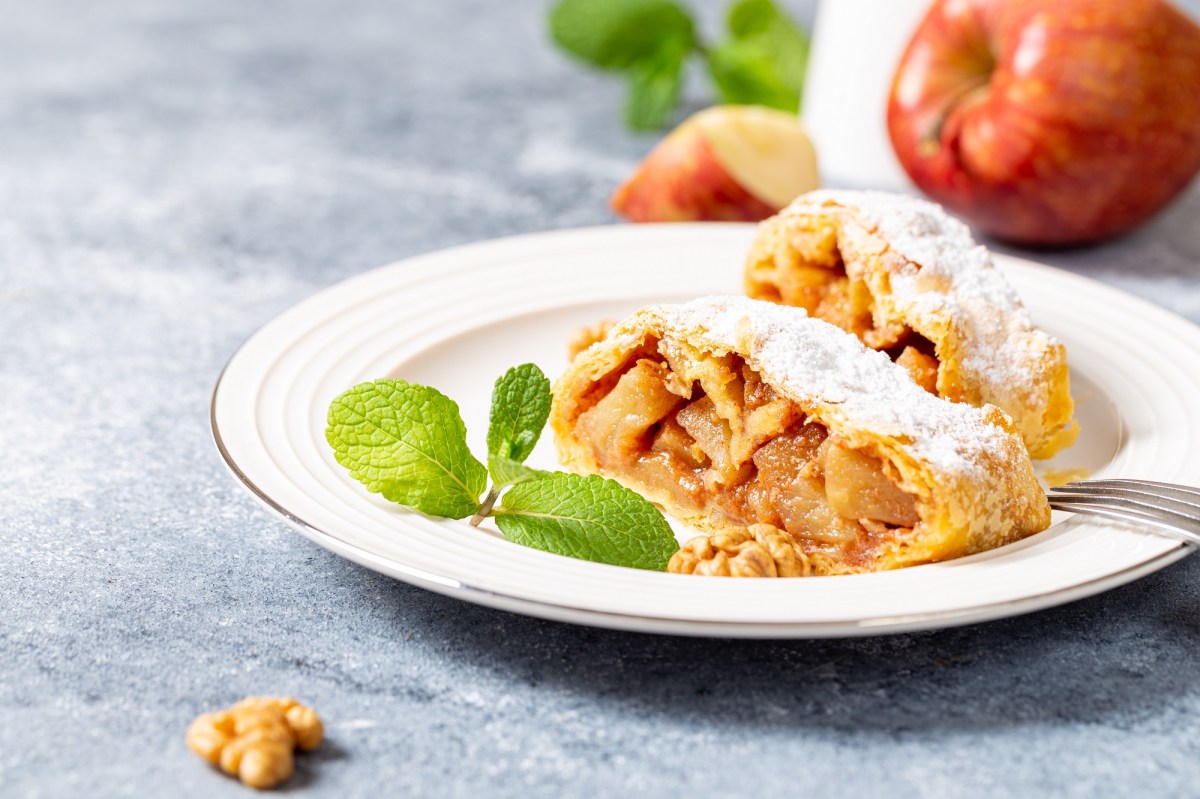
(965, 468)
(909, 279)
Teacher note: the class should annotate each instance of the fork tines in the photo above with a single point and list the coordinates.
(1169, 508)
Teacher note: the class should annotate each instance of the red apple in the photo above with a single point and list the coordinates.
(1050, 121)
(729, 163)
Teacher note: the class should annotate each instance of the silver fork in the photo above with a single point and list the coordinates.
(1168, 509)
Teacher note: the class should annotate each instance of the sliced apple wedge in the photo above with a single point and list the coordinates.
(730, 163)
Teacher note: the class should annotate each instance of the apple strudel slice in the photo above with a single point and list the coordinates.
(730, 412)
(908, 279)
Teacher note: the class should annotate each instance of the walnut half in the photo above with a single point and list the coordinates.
(254, 740)
(759, 550)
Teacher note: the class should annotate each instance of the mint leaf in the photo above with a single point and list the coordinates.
(590, 518)
(763, 23)
(617, 34)
(654, 86)
(408, 443)
(520, 407)
(744, 75)
(507, 472)
(764, 59)
(749, 18)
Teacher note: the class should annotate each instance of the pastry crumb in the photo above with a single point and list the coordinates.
(1060, 477)
(588, 335)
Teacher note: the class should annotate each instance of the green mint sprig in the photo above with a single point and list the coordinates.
(408, 442)
(761, 62)
(586, 517)
(520, 408)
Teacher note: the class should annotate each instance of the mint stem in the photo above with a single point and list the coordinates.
(485, 509)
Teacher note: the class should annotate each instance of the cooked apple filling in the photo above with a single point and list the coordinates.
(709, 434)
(814, 278)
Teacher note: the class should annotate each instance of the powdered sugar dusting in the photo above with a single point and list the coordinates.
(951, 278)
(816, 363)
(922, 232)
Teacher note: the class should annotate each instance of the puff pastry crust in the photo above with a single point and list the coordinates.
(908, 279)
(729, 412)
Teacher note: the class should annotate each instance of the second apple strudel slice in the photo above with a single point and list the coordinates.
(730, 412)
(908, 279)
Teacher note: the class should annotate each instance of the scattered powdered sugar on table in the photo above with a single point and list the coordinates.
(814, 362)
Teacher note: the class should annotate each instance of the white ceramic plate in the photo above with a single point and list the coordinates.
(457, 319)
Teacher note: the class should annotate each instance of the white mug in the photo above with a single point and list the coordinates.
(856, 45)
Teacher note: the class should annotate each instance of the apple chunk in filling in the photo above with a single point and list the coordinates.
(618, 424)
(756, 459)
(856, 487)
(813, 276)
(921, 367)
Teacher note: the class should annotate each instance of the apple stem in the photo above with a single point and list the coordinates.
(963, 97)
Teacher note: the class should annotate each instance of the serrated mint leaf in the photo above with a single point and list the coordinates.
(520, 407)
(590, 518)
(505, 472)
(616, 34)
(764, 59)
(408, 443)
(654, 87)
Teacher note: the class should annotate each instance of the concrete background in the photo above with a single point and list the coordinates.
(174, 174)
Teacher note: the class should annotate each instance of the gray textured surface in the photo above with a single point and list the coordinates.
(174, 174)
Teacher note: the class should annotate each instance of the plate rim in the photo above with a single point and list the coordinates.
(648, 622)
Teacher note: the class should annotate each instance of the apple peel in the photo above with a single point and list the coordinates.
(1050, 122)
(728, 163)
